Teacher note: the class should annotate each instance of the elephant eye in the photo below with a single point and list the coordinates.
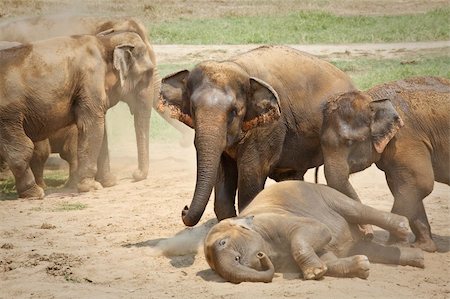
(237, 258)
(231, 115)
(222, 242)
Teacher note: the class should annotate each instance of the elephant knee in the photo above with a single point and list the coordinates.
(425, 187)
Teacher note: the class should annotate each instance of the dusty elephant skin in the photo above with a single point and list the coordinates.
(32, 29)
(255, 116)
(404, 128)
(43, 92)
(294, 226)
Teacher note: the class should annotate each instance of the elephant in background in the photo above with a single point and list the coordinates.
(43, 92)
(361, 128)
(255, 116)
(294, 226)
(65, 142)
(30, 29)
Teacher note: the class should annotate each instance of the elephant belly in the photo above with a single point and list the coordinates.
(298, 155)
(41, 127)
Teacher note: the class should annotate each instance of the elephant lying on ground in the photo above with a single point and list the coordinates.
(255, 116)
(295, 226)
(43, 92)
(361, 128)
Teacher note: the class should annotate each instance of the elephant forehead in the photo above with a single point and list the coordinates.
(223, 74)
(212, 97)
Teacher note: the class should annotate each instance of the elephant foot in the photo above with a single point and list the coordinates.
(310, 273)
(87, 185)
(401, 229)
(34, 192)
(359, 266)
(139, 175)
(366, 231)
(427, 245)
(412, 257)
(107, 180)
(41, 184)
(71, 183)
(423, 236)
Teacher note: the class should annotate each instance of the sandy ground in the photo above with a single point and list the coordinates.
(107, 246)
(119, 242)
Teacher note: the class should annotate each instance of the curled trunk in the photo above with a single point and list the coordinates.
(235, 272)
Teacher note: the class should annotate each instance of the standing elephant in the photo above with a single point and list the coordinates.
(32, 29)
(41, 92)
(295, 226)
(255, 116)
(361, 128)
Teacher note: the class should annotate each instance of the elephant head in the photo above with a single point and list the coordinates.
(236, 252)
(355, 131)
(222, 103)
(133, 78)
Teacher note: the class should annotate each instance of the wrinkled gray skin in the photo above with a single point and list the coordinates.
(404, 128)
(30, 29)
(255, 116)
(43, 92)
(294, 226)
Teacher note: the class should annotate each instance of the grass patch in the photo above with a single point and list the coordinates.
(53, 179)
(70, 206)
(305, 27)
(7, 189)
(369, 72)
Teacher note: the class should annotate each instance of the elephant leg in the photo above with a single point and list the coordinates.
(104, 175)
(225, 189)
(337, 173)
(352, 266)
(69, 154)
(309, 237)
(377, 253)
(410, 183)
(37, 162)
(90, 124)
(17, 149)
(358, 213)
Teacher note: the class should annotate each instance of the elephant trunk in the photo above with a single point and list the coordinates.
(142, 126)
(210, 141)
(235, 272)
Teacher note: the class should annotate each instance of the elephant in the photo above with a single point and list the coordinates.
(30, 29)
(65, 142)
(295, 226)
(401, 126)
(41, 92)
(256, 115)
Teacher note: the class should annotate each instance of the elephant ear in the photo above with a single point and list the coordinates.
(122, 61)
(385, 123)
(173, 88)
(244, 222)
(263, 105)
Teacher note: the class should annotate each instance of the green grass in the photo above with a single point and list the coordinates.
(369, 72)
(305, 27)
(53, 179)
(70, 206)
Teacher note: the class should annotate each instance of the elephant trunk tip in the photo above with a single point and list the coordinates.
(188, 220)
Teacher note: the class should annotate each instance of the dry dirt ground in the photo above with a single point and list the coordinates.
(123, 241)
(110, 244)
